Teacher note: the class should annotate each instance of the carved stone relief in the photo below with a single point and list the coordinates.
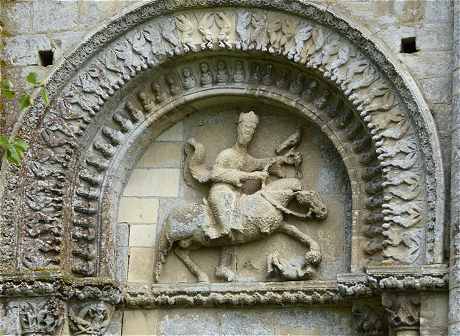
(54, 207)
(396, 172)
(39, 317)
(403, 311)
(228, 217)
(91, 318)
(367, 321)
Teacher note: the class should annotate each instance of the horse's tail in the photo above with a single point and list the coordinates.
(195, 156)
(164, 246)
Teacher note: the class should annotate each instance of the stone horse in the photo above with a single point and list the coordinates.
(186, 228)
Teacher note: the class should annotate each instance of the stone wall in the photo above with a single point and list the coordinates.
(30, 26)
(33, 25)
(58, 26)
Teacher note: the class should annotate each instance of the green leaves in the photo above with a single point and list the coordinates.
(44, 95)
(25, 100)
(7, 89)
(32, 78)
(14, 149)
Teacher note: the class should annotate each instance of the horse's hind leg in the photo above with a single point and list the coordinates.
(183, 255)
(227, 264)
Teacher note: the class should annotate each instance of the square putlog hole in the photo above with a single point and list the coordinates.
(408, 45)
(46, 57)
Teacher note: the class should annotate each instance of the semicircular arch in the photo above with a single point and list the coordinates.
(383, 101)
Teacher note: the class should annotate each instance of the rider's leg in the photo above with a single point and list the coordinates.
(227, 264)
(223, 201)
(183, 255)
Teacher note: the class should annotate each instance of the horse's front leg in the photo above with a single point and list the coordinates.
(227, 264)
(183, 254)
(312, 257)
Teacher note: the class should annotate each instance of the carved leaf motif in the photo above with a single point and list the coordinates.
(242, 29)
(140, 43)
(87, 102)
(224, 24)
(403, 246)
(41, 318)
(205, 28)
(304, 33)
(317, 41)
(99, 71)
(258, 36)
(154, 37)
(168, 31)
(369, 74)
(112, 63)
(186, 27)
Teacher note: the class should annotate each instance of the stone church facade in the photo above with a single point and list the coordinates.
(230, 167)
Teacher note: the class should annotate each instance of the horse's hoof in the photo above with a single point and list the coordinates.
(203, 279)
(313, 258)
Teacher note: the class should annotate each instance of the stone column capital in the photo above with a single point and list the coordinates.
(403, 312)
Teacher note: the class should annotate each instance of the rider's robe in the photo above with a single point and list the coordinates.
(229, 172)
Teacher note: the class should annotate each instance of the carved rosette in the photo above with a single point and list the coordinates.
(375, 112)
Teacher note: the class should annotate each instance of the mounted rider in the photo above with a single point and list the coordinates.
(233, 166)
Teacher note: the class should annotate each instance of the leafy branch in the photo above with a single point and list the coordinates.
(14, 148)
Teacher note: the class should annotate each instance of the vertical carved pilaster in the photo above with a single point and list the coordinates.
(90, 318)
(367, 321)
(403, 313)
(40, 317)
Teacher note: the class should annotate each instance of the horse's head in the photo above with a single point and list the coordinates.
(311, 198)
(295, 159)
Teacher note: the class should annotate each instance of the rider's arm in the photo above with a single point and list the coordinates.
(228, 175)
(224, 171)
(254, 164)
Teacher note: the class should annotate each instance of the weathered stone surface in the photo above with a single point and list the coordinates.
(51, 15)
(23, 50)
(93, 11)
(65, 23)
(139, 322)
(142, 236)
(17, 17)
(140, 264)
(134, 210)
(162, 155)
(153, 182)
(174, 133)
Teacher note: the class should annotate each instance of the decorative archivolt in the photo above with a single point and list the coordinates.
(49, 205)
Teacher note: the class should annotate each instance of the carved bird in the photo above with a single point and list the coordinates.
(292, 141)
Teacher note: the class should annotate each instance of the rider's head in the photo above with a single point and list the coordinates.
(247, 124)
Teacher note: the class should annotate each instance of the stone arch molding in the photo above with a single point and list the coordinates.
(51, 206)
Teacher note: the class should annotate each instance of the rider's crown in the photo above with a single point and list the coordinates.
(250, 117)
